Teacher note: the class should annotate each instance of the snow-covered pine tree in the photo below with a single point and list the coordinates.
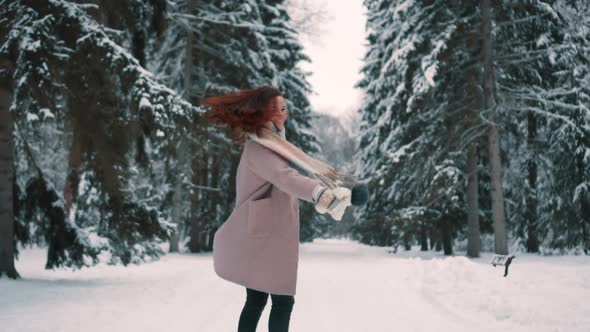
(210, 47)
(61, 59)
(538, 59)
(231, 46)
(489, 111)
(566, 204)
(286, 52)
(168, 65)
(574, 77)
(520, 66)
(9, 192)
(407, 132)
(543, 97)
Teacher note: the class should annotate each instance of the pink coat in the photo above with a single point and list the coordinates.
(258, 245)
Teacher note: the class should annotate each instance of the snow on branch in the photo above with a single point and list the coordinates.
(165, 105)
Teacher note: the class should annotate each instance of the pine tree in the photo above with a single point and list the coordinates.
(7, 178)
(413, 127)
(407, 123)
(230, 46)
(82, 76)
(540, 101)
(286, 52)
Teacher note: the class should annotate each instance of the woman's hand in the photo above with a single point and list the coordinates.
(334, 202)
(326, 198)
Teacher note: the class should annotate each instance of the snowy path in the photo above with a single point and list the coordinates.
(343, 286)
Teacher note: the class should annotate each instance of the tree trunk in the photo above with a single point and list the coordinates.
(473, 98)
(435, 238)
(188, 66)
(7, 240)
(473, 234)
(138, 52)
(532, 244)
(438, 244)
(73, 175)
(204, 204)
(210, 237)
(489, 83)
(196, 243)
(423, 237)
(214, 200)
(159, 23)
(406, 241)
(138, 46)
(584, 204)
(176, 210)
(447, 240)
(175, 237)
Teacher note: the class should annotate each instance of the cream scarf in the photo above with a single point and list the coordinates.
(317, 168)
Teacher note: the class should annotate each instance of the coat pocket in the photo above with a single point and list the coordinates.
(260, 217)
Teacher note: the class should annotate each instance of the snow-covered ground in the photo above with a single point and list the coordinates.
(342, 286)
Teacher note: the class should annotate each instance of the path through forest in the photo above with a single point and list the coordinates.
(343, 286)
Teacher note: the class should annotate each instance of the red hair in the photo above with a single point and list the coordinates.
(243, 111)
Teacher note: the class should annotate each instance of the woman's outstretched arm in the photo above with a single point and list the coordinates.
(275, 169)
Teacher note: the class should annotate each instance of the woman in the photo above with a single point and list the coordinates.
(258, 246)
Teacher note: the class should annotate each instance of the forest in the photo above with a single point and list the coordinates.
(474, 128)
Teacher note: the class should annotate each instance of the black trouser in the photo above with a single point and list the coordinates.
(280, 312)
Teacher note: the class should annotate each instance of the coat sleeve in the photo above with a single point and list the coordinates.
(275, 169)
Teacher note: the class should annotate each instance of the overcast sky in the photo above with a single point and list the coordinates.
(337, 57)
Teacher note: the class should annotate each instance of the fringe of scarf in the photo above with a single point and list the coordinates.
(316, 168)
